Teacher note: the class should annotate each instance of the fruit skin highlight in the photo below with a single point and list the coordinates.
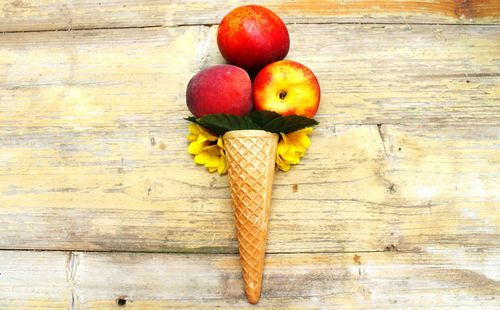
(287, 87)
(252, 37)
(220, 89)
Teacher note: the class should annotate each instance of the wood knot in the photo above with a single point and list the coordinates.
(121, 301)
(357, 259)
(391, 248)
(392, 188)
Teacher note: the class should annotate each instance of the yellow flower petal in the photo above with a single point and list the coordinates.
(306, 130)
(283, 146)
(292, 147)
(195, 147)
(193, 128)
(299, 140)
(285, 167)
(207, 134)
(213, 150)
(282, 165)
(201, 139)
(284, 138)
(220, 143)
(212, 162)
(291, 158)
(222, 167)
(223, 158)
(202, 158)
(191, 137)
(207, 148)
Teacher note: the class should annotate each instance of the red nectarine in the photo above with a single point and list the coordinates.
(252, 37)
(220, 89)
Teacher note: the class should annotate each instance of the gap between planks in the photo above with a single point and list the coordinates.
(89, 281)
(215, 24)
(72, 253)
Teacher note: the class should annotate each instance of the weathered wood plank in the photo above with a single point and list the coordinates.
(24, 15)
(34, 280)
(413, 189)
(434, 279)
(78, 161)
(413, 74)
(297, 281)
(419, 74)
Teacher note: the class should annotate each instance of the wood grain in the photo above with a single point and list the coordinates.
(93, 154)
(370, 74)
(300, 281)
(29, 15)
(34, 280)
(394, 206)
(412, 74)
(359, 188)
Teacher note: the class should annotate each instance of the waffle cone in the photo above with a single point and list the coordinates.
(251, 156)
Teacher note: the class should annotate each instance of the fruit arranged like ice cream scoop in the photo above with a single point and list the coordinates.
(227, 134)
(286, 87)
(252, 37)
(220, 89)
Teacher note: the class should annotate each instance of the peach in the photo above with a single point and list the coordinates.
(287, 87)
(252, 37)
(220, 89)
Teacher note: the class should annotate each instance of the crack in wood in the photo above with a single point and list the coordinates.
(71, 269)
(382, 138)
(68, 29)
(203, 47)
(72, 304)
(187, 253)
(72, 265)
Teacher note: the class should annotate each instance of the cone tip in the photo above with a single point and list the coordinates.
(253, 298)
(252, 290)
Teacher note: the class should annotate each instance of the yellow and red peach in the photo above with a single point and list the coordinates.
(287, 87)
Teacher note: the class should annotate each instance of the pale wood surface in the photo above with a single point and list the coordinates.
(417, 187)
(403, 170)
(135, 79)
(34, 280)
(26, 15)
(63, 280)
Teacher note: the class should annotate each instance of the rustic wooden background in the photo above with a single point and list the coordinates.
(396, 205)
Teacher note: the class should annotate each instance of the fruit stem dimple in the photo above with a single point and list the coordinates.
(282, 94)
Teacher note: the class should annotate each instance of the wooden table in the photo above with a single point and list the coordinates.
(396, 205)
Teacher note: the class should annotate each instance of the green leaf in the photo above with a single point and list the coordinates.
(289, 123)
(192, 119)
(222, 123)
(219, 124)
(261, 118)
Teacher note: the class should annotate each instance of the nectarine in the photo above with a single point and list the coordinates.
(252, 37)
(286, 87)
(220, 89)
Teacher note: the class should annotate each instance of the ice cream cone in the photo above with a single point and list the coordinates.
(251, 156)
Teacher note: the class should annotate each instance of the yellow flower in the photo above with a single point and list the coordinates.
(291, 148)
(207, 149)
